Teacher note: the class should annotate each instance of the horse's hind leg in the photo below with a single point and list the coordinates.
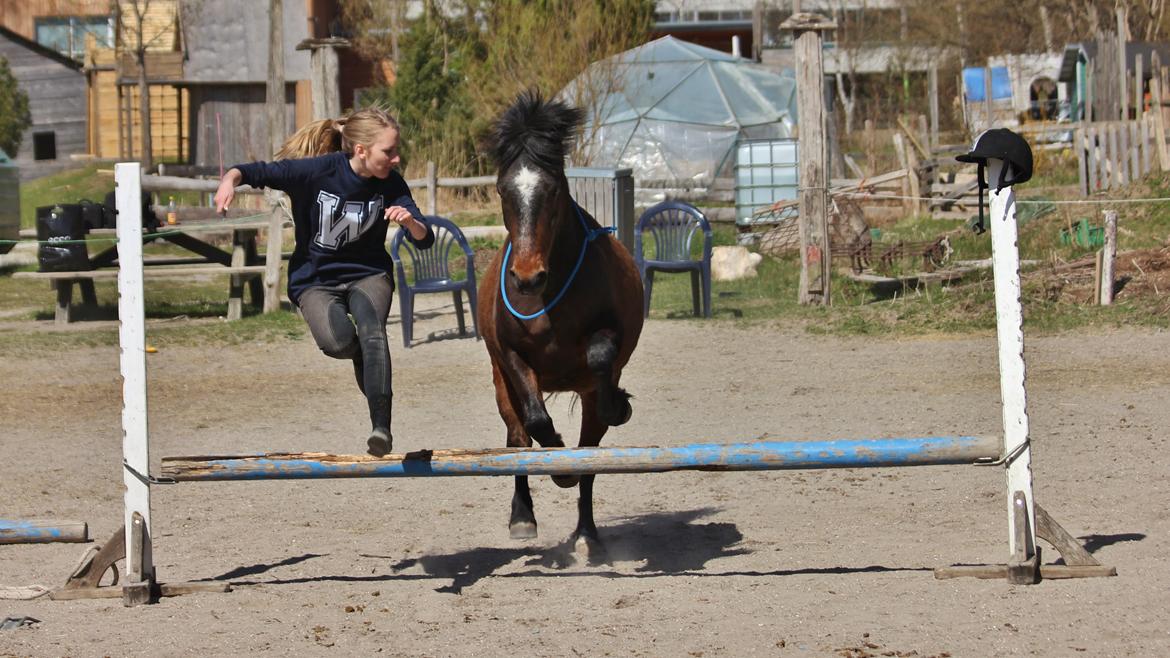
(613, 403)
(585, 538)
(522, 523)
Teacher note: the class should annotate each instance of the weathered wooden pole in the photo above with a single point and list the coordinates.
(432, 188)
(274, 92)
(989, 111)
(754, 456)
(932, 84)
(1156, 90)
(41, 531)
(1108, 256)
(1138, 87)
(870, 148)
(1122, 78)
(815, 259)
(323, 75)
(277, 131)
(1009, 314)
(138, 584)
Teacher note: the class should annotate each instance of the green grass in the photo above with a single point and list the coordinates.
(190, 312)
(964, 306)
(91, 182)
(483, 217)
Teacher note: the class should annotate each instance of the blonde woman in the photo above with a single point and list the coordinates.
(341, 178)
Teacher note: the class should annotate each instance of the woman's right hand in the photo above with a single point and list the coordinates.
(227, 190)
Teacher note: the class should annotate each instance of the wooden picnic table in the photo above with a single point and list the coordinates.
(241, 263)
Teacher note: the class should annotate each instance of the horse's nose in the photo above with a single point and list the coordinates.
(530, 284)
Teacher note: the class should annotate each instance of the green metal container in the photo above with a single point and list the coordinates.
(1083, 234)
(9, 203)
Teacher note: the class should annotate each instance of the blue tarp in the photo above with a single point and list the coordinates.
(1001, 86)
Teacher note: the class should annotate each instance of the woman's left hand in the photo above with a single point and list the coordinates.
(399, 215)
(403, 218)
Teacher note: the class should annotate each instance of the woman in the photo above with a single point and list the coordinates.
(341, 178)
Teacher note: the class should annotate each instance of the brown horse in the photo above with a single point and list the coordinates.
(560, 304)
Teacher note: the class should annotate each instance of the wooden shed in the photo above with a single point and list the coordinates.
(226, 73)
(56, 89)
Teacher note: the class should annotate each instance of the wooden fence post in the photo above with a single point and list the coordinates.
(1134, 154)
(1115, 177)
(815, 250)
(273, 246)
(932, 84)
(276, 113)
(870, 149)
(1094, 146)
(1144, 129)
(914, 182)
(1156, 107)
(904, 164)
(1082, 160)
(1108, 255)
(274, 105)
(1139, 83)
(432, 188)
(1122, 78)
(987, 98)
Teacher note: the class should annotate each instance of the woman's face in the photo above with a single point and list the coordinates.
(379, 158)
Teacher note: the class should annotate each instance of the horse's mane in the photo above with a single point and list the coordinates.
(542, 131)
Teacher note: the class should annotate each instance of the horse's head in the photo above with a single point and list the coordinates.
(529, 143)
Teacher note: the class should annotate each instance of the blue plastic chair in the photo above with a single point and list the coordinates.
(673, 226)
(431, 273)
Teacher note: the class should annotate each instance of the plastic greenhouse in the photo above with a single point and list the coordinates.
(678, 109)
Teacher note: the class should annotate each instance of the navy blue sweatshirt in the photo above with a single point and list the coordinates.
(338, 217)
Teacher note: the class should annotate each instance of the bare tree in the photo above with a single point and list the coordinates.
(992, 27)
(551, 44)
(849, 35)
(132, 35)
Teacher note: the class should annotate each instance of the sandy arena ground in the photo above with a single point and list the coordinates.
(800, 563)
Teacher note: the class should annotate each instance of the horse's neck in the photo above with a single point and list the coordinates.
(567, 242)
(572, 229)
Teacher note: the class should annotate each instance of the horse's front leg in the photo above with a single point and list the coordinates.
(522, 523)
(586, 538)
(613, 403)
(528, 400)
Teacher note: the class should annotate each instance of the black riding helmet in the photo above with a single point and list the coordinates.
(1001, 144)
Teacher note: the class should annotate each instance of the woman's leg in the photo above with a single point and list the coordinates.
(369, 304)
(325, 310)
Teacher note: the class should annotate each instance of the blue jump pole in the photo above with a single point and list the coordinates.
(755, 456)
(38, 531)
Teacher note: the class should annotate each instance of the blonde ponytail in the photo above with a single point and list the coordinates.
(316, 138)
(328, 135)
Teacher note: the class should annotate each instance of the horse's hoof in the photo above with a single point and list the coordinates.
(555, 442)
(591, 549)
(617, 412)
(627, 413)
(522, 530)
(566, 481)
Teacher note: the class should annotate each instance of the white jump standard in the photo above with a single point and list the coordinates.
(1026, 519)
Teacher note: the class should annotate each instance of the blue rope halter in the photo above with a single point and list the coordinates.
(590, 236)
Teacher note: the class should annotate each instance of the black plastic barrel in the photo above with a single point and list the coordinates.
(61, 237)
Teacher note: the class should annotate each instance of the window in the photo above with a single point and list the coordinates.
(45, 146)
(67, 34)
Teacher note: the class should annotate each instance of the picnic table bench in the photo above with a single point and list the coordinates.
(241, 264)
